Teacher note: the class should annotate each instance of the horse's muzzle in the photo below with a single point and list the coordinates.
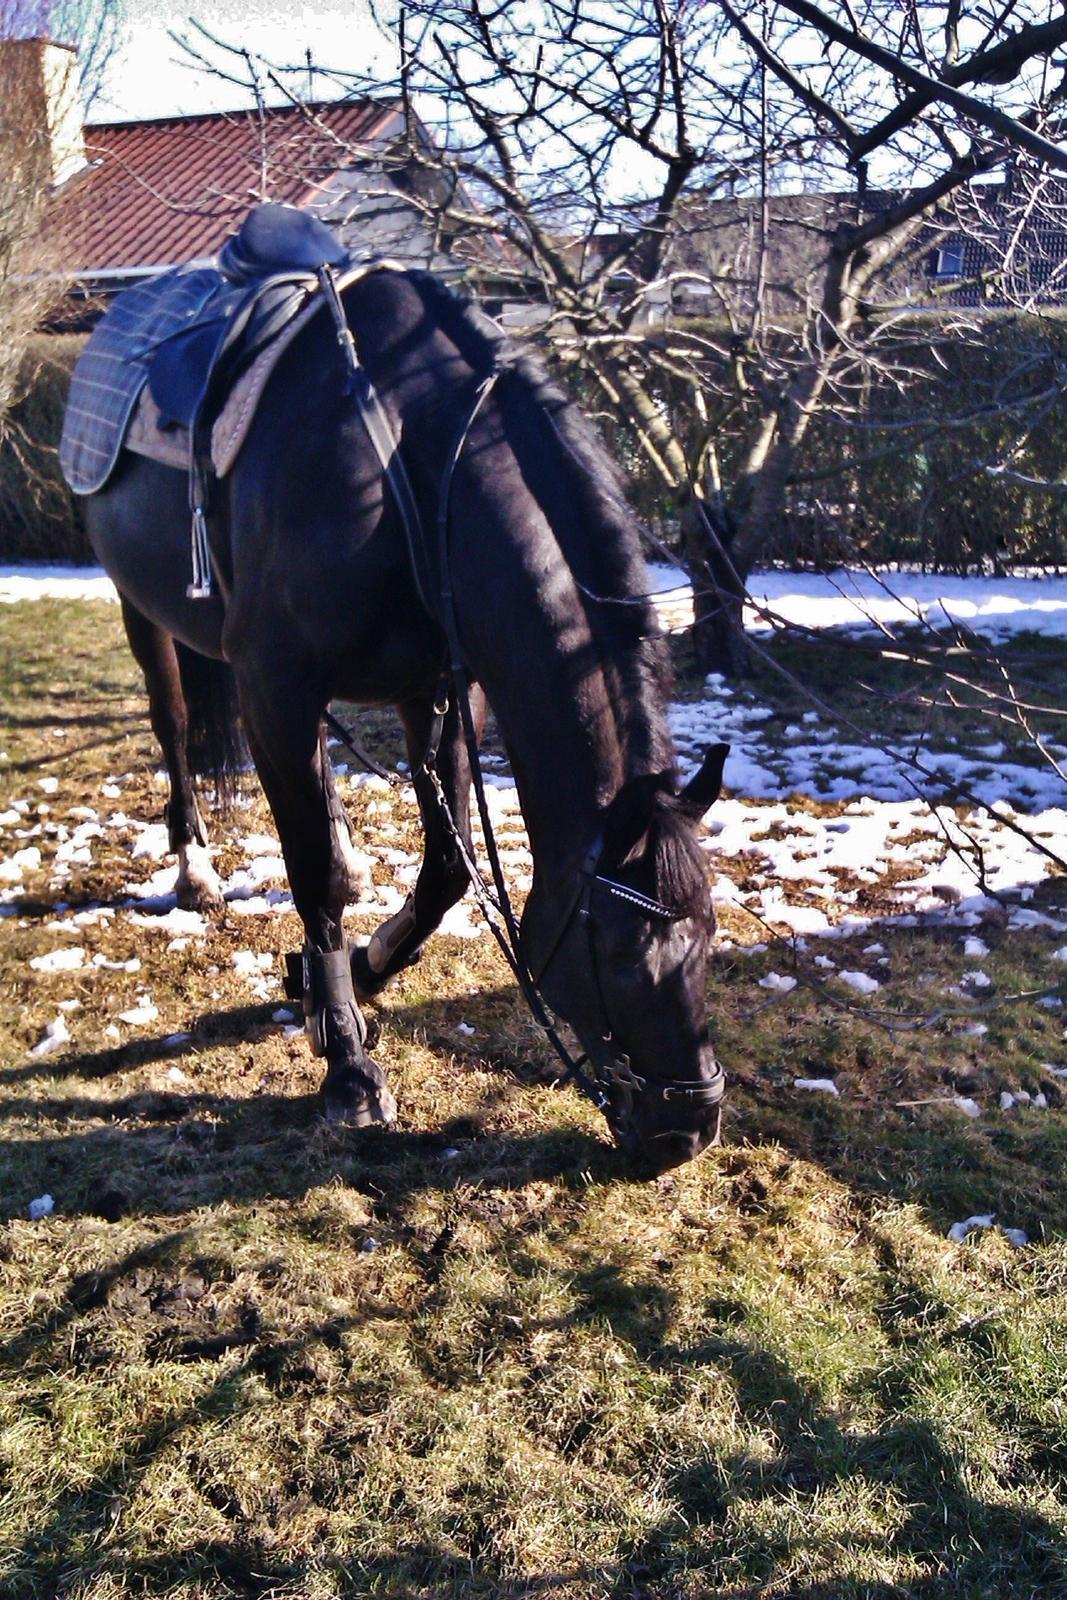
(651, 1154)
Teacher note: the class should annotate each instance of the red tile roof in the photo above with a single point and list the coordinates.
(157, 193)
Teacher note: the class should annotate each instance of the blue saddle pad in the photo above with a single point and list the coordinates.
(112, 369)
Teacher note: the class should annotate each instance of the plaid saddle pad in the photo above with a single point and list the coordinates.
(113, 368)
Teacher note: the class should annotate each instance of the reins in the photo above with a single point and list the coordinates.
(611, 1070)
(507, 937)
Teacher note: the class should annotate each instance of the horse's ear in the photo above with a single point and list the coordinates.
(702, 790)
(629, 816)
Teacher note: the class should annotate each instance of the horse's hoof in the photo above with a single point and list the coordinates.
(359, 1110)
(202, 897)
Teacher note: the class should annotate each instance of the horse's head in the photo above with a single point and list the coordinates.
(625, 964)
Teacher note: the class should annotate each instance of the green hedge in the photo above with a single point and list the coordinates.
(40, 520)
(919, 488)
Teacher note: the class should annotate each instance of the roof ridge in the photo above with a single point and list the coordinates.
(290, 108)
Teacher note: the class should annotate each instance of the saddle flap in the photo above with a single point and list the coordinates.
(204, 359)
(180, 368)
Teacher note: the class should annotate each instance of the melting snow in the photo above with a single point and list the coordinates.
(65, 960)
(805, 874)
(138, 1016)
(54, 1037)
(859, 981)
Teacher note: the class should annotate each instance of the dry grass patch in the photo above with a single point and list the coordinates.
(251, 1355)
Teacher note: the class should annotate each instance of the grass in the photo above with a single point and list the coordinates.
(252, 1356)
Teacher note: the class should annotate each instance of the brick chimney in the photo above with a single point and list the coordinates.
(40, 108)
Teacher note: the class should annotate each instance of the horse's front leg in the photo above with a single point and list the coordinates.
(282, 726)
(443, 876)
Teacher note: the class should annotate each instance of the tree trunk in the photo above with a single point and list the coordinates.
(718, 589)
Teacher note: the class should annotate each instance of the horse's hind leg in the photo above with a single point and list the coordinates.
(351, 869)
(443, 876)
(154, 649)
(281, 718)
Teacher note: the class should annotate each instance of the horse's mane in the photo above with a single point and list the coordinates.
(680, 871)
(601, 544)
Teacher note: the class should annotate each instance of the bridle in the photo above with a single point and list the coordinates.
(610, 1081)
(613, 1064)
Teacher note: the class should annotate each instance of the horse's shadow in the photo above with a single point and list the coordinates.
(732, 1518)
(271, 1139)
(111, 1154)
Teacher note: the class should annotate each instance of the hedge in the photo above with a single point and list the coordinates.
(913, 493)
(40, 520)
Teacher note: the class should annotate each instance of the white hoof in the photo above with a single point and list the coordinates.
(199, 888)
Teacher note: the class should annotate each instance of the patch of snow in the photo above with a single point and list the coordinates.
(63, 960)
(959, 1230)
(252, 963)
(782, 983)
(54, 1037)
(173, 920)
(25, 860)
(138, 1016)
(860, 981)
(106, 965)
(36, 581)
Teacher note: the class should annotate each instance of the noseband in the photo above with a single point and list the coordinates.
(610, 1063)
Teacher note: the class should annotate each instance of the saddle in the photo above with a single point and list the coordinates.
(184, 339)
(267, 272)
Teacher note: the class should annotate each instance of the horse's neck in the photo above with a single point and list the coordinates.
(572, 731)
(568, 762)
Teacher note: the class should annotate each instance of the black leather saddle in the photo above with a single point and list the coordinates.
(189, 334)
(268, 271)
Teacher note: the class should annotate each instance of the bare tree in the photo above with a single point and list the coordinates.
(600, 152)
(52, 56)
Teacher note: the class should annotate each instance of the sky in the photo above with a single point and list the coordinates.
(149, 77)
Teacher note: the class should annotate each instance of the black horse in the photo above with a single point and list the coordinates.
(317, 598)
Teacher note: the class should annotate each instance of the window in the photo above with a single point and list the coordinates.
(948, 261)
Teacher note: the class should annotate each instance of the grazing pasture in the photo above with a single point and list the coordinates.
(249, 1354)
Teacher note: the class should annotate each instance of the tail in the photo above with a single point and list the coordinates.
(215, 742)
